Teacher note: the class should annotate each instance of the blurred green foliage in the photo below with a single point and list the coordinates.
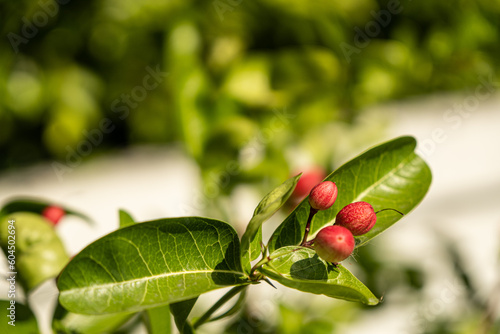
(237, 82)
(240, 84)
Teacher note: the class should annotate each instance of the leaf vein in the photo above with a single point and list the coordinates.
(161, 250)
(386, 176)
(103, 267)
(145, 279)
(138, 252)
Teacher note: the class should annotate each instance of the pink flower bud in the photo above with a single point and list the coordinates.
(358, 217)
(334, 243)
(323, 195)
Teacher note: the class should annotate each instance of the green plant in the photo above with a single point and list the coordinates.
(161, 267)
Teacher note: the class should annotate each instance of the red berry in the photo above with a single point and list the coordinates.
(306, 182)
(334, 243)
(358, 217)
(53, 213)
(323, 195)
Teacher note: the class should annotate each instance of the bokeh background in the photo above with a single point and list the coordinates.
(170, 108)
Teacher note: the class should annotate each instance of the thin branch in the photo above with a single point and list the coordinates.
(224, 299)
(312, 212)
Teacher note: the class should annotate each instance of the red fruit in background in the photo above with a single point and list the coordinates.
(323, 195)
(334, 243)
(358, 217)
(53, 213)
(306, 182)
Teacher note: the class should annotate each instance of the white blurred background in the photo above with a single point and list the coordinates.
(462, 208)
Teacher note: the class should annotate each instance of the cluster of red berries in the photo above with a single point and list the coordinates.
(336, 243)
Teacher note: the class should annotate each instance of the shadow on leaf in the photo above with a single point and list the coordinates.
(309, 269)
(225, 273)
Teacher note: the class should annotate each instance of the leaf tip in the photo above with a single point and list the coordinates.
(373, 301)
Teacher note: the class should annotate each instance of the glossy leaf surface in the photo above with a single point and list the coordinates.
(151, 264)
(300, 268)
(390, 175)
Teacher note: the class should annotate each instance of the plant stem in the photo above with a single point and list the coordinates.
(312, 212)
(235, 308)
(309, 244)
(224, 299)
(264, 259)
(269, 258)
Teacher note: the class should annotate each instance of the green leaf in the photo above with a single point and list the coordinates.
(23, 321)
(388, 176)
(300, 268)
(159, 320)
(151, 264)
(31, 243)
(68, 322)
(36, 206)
(125, 219)
(255, 248)
(180, 311)
(272, 202)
